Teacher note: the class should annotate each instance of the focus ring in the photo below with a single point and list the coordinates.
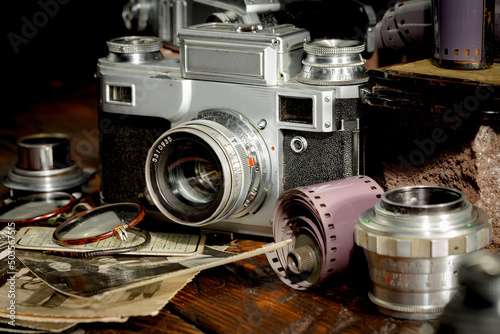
(421, 247)
(176, 197)
(398, 230)
(405, 309)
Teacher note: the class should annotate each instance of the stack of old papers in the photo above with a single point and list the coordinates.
(52, 293)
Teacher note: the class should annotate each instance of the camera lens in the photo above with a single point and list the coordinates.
(414, 239)
(44, 164)
(193, 171)
(44, 151)
(211, 168)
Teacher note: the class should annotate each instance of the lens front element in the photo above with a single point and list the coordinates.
(193, 172)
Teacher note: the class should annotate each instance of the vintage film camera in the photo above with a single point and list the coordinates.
(213, 138)
(347, 19)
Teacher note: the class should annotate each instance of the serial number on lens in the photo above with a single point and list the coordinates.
(160, 147)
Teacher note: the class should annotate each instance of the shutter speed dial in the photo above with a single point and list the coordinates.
(333, 62)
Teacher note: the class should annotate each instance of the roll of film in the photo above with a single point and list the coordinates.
(320, 220)
(463, 34)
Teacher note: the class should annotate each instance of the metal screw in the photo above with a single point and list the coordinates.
(328, 124)
(327, 99)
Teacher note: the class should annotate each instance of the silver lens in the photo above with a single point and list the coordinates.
(211, 168)
(44, 164)
(414, 240)
(44, 151)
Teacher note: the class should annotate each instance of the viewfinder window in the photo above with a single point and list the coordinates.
(296, 109)
(122, 94)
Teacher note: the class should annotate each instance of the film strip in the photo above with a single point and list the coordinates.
(320, 220)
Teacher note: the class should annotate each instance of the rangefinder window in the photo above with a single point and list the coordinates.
(120, 94)
(296, 109)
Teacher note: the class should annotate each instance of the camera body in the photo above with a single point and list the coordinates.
(213, 137)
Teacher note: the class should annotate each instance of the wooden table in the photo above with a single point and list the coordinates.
(243, 297)
(247, 297)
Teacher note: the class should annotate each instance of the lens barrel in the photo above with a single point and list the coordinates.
(208, 169)
(45, 164)
(414, 240)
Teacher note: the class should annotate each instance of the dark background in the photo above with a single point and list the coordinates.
(52, 48)
(61, 52)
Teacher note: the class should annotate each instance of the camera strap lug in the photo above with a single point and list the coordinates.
(348, 124)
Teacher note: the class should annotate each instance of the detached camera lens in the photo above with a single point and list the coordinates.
(44, 151)
(45, 164)
(414, 240)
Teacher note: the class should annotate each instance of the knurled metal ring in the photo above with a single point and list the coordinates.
(380, 234)
(135, 44)
(334, 47)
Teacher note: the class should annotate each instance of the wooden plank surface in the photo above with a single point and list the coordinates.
(247, 297)
(425, 68)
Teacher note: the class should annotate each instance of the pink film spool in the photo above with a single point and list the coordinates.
(320, 220)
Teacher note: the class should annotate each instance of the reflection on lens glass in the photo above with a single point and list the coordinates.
(194, 173)
(92, 226)
(36, 207)
(33, 209)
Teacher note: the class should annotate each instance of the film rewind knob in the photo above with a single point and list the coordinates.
(302, 259)
(305, 259)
